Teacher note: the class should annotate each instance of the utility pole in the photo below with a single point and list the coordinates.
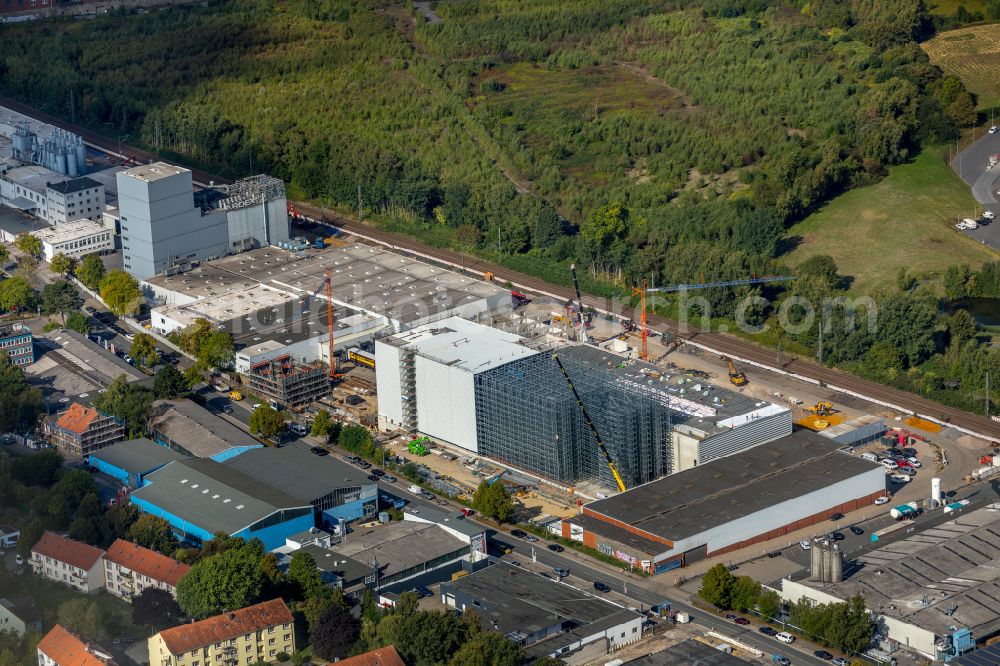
(987, 394)
(819, 351)
(361, 208)
(156, 136)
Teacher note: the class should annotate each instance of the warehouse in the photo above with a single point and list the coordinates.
(728, 504)
(857, 431)
(936, 592)
(425, 376)
(132, 460)
(274, 301)
(545, 617)
(336, 491)
(192, 430)
(200, 498)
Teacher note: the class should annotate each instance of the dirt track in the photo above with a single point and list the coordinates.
(718, 342)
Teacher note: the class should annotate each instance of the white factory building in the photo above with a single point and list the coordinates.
(165, 231)
(76, 239)
(426, 376)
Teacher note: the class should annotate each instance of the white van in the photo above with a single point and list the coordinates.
(298, 429)
(869, 456)
(888, 463)
(785, 637)
(805, 545)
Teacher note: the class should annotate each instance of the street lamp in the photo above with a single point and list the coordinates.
(120, 139)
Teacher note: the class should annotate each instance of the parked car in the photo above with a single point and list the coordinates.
(994, 129)
(840, 661)
(531, 538)
(742, 621)
(856, 530)
(556, 548)
(900, 478)
(377, 472)
(298, 429)
(785, 637)
(778, 659)
(559, 571)
(465, 511)
(835, 536)
(18, 559)
(520, 534)
(428, 496)
(389, 479)
(889, 463)
(319, 451)
(913, 461)
(424, 591)
(768, 631)
(823, 654)
(881, 500)
(989, 215)
(805, 545)
(226, 409)
(836, 516)
(601, 587)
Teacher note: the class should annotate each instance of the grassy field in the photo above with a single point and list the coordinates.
(972, 54)
(948, 7)
(904, 221)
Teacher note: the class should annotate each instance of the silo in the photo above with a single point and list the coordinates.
(816, 562)
(837, 565)
(60, 160)
(81, 156)
(936, 490)
(71, 169)
(827, 561)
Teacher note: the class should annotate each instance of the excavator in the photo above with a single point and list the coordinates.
(821, 408)
(590, 424)
(735, 376)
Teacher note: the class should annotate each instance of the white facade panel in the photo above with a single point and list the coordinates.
(446, 407)
(387, 378)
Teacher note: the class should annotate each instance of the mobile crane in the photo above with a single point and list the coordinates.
(579, 305)
(590, 424)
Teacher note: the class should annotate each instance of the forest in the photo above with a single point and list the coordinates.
(662, 140)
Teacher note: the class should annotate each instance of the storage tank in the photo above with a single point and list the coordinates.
(816, 562)
(836, 565)
(60, 160)
(827, 561)
(904, 510)
(936, 490)
(71, 169)
(81, 156)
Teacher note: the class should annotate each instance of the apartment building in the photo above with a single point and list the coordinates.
(61, 647)
(129, 569)
(239, 638)
(18, 343)
(80, 430)
(64, 560)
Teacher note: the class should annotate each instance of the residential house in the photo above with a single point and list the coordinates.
(238, 638)
(19, 616)
(64, 560)
(61, 647)
(129, 569)
(81, 430)
(385, 656)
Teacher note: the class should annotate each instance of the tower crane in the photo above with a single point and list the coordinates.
(327, 283)
(590, 424)
(645, 289)
(579, 305)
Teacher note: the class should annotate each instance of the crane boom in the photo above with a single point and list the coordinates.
(327, 283)
(590, 424)
(579, 305)
(725, 283)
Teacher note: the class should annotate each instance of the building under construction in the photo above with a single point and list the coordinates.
(288, 383)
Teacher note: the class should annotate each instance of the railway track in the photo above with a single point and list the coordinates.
(720, 343)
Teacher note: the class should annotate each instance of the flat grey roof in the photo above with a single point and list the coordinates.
(720, 491)
(15, 222)
(213, 496)
(454, 520)
(336, 563)
(689, 653)
(697, 403)
(195, 429)
(297, 471)
(460, 343)
(950, 567)
(513, 599)
(400, 545)
(75, 185)
(607, 530)
(78, 350)
(137, 456)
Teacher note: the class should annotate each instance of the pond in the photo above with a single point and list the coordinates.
(986, 311)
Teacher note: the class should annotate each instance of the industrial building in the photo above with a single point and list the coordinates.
(286, 382)
(856, 431)
(425, 376)
(75, 199)
(335, 490)
(274, 301)
(62, 152)
(190, 429)
(80, 431)
(76, 239)
(17, 342)
(728, 504)
(544, 617)
(165, 230)
(499, 395)
(132, 460)
(691, 653)
(201, 497)
(936, 592)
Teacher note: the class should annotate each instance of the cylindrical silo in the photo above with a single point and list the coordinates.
(60, 160)
(815, 562)
(827, 561)
(936, 490)
(71, 170)
(836, 565)
(81, 156)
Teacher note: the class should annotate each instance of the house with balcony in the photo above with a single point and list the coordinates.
(256, 633)
(67, 561)
(129, 569)
(62, 647)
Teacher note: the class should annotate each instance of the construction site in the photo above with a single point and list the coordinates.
(286, 382)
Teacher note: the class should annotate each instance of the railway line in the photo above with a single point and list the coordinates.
(719, 343)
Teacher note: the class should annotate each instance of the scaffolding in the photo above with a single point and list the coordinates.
(528, 418)
(286, 382)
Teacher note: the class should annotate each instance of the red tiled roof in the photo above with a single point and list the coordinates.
(66, 649)
(386, 656)
(77, 418)
(147, 562)
(227, 626)
(67, 550)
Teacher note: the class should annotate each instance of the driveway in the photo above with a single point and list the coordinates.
(970, 165)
